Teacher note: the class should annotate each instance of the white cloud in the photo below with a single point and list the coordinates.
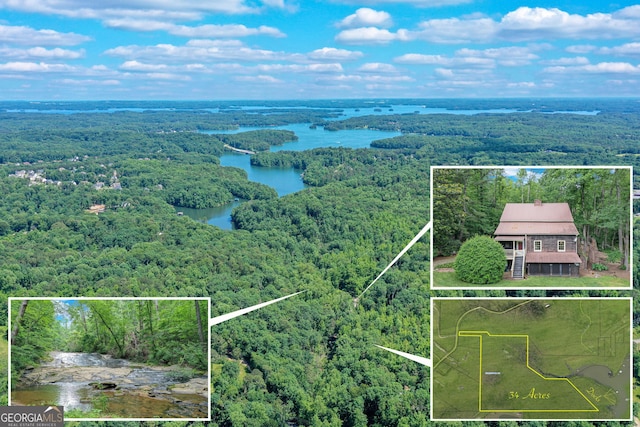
(377, 67)
(87, 82)
(325, 68)
(201, 50)
(455, 30)
(40, 53)
(259, 79)
(517, 85)
(600, 68)
(418, 58)
(97, 9)
(201, 31)
(581, 49)
(630, 12)
(26, 36)
(388, 79)
(333, 54)
(578, 60)
(365, 17)
(206, 43)
(416, 3)
(370, 35)
(508, 56)
(28, 67)
(139, 66)
(167, 76)
(526, 23)
(296, 68)
(627, 49)
(458, 61)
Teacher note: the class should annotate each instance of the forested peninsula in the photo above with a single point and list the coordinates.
(89, 209)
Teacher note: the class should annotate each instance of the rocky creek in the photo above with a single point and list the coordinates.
(117, 387)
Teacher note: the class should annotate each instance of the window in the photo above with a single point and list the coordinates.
(537, 246)
(561, 246)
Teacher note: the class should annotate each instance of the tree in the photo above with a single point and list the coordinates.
(481, 260)
(16, 327)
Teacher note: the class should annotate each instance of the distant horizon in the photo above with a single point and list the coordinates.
(379, 99)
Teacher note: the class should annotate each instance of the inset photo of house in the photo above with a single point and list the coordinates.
(531, 227)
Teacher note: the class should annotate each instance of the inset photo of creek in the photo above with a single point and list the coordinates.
(124, 359)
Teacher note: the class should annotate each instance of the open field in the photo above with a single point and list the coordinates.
(531, 359)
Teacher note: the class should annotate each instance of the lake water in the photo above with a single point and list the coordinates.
(283, 180)
(286, 181)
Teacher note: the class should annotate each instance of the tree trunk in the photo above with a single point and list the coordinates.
(150, 316)
(16, 327)
(115, 338)
(199, 320)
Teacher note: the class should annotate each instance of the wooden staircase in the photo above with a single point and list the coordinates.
(518, 267)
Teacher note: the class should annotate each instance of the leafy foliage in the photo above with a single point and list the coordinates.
(481, 260)
(311, 361)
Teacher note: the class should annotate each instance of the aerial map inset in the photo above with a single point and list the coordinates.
(531, 359)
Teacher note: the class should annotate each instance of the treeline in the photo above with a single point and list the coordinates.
(149, 331)
(510, 139)
(258, 140)
(365, 167)
(333, 105)
(37, 145)
(160, 121)
(34, 333)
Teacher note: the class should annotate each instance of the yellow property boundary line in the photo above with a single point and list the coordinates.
(480, 335)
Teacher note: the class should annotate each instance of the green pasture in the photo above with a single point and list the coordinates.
(563, 336)
(448, 279)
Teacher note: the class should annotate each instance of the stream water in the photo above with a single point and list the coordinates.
(131, 390)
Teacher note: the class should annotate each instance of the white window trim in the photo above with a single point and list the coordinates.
(564, 246)
(537, 243)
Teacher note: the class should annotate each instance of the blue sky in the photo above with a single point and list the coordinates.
(281, 49)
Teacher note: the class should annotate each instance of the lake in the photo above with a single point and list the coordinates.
(283, 180)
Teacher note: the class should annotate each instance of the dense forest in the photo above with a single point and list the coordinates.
(310, 360)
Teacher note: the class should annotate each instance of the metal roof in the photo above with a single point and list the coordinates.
(553, 257)
(532, 212)
(536, 218)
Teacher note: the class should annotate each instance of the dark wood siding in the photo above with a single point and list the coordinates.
(550, 243)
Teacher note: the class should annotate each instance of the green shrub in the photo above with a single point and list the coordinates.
(481, 261)
(614, 255)
(599, 267)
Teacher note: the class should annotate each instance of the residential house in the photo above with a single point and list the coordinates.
(539, 239)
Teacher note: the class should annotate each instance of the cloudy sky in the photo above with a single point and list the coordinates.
(301, 49)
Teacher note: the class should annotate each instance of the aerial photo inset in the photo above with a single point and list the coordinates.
(531, 227)
(552, 359)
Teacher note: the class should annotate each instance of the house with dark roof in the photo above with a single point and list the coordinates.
(539, 239)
